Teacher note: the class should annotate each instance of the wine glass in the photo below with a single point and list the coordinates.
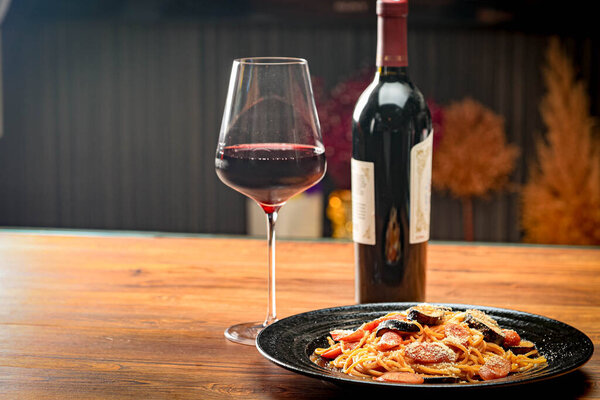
(269, 148)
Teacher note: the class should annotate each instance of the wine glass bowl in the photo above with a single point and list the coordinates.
(269, 148)
(271, 173)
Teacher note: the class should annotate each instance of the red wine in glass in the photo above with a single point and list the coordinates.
(270, 173)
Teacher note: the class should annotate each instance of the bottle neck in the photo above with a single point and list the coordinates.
(391, 42)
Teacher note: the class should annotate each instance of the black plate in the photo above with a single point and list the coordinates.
(290, 341)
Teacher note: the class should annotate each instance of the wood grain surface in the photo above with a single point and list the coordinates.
(125, 316)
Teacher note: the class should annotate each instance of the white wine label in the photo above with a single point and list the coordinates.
(420, 190)
(363, 201)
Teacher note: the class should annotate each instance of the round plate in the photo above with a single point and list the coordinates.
(289, 342)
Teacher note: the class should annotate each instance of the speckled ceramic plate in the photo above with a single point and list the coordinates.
(290, 342)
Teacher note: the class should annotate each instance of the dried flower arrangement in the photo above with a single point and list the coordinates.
(561, 201)
(472, 157)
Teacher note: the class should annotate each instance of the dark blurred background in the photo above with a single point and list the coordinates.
(112, 108)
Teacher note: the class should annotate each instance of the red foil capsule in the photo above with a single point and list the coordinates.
(391, 32)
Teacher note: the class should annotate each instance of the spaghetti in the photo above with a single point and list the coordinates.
(427, 343)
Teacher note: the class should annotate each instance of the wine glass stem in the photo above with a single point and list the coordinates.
(271, 309)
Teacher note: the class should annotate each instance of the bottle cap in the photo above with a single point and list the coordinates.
(392, 8)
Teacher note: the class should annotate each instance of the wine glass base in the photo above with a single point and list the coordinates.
(244, 333)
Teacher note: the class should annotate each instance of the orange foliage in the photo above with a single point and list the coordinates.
(472, 158)
(561, 203)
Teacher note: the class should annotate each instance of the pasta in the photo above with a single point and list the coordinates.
(427, 343)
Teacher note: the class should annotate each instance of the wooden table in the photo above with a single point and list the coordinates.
(97, 316)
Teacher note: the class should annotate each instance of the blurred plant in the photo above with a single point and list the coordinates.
(472, 157)
(561, 202)
(335, 115)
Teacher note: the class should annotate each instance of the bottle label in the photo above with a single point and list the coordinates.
(420, 190)
(363, 201)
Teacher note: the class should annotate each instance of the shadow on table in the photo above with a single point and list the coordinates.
(569, 386)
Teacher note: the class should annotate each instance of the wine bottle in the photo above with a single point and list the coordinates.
(392, 141)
